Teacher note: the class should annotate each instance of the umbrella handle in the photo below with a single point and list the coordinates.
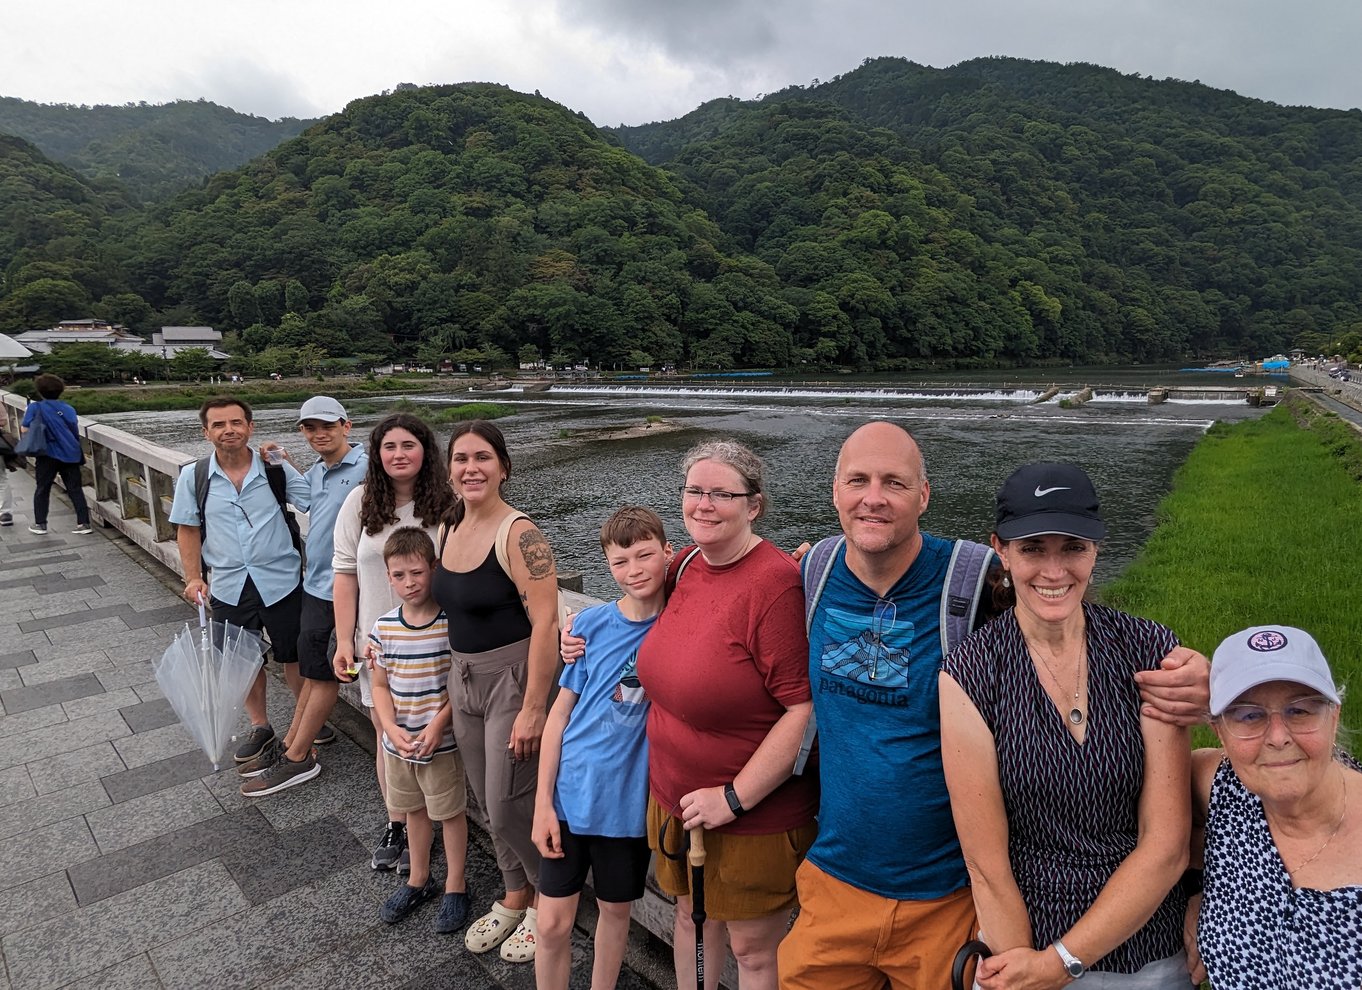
(203, 616)
(967, 952)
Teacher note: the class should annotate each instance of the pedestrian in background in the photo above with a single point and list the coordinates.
(62, 454)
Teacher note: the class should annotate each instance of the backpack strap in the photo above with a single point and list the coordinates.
(961, 591)
(201, 500)
(816, 567)
(503, 540)
(274, 474)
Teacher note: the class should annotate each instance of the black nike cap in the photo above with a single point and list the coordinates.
(1039, 499)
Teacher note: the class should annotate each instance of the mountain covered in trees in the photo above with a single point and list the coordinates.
(996, 211)
(153, 150)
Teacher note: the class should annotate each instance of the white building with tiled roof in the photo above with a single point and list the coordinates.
(166, 342)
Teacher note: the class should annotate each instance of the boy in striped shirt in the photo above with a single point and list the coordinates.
(409, 647)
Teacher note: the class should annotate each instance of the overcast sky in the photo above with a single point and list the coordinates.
(633, 61)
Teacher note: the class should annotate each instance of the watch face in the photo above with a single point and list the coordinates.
(1075, 968)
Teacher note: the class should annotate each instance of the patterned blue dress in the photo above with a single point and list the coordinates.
(1257, 931)
(1072, 808)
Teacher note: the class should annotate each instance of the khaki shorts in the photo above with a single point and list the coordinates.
(437, 786)
(746, 876)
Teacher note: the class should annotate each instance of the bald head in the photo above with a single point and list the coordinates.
(887, 439)
(880, 492)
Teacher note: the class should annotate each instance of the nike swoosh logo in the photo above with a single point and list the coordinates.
(1041, 492)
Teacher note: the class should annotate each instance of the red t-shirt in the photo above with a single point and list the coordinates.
(721, 664)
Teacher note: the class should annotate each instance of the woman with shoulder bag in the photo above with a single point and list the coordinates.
(61, 454)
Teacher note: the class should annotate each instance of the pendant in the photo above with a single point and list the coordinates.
(1076, 716)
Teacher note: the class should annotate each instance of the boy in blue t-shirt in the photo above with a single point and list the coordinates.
(593, 762)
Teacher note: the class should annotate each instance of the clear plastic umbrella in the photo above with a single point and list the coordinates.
(205, 675)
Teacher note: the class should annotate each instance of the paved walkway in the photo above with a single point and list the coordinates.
(128, 863)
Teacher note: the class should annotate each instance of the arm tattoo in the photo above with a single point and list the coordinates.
(538, 557)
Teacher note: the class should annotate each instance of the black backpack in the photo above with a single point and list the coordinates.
(274, 474)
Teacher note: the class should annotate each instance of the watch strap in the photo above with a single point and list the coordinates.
(1072, 964)
(734, 805)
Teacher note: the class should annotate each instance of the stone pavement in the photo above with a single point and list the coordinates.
(128, 863)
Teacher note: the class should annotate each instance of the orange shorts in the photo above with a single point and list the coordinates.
(851, 939)
(746, 876)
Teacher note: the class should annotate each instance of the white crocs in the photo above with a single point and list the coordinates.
(519, 947)
(492, 928)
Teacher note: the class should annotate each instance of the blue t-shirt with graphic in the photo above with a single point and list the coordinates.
(884, 821)
(602, 784)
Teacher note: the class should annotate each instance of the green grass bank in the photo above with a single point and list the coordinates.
(1263, 525)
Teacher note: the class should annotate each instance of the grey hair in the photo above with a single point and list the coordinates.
(739, 457)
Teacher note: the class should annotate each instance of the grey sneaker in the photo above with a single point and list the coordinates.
(390, 848)
(282, 774)
(403, 868)
(453, 913)
(256, 740)
(38, 530)
(406, 899)
(268, 757)
(82, 529)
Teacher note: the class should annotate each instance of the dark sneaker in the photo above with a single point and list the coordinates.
(82, 529)
(325, 736)
(390, 848)
(38, 530)
(403, 867)
(282, 774)
(406, 899)
(268, 757)
(6, 519)
(254, 743)
(453, 913)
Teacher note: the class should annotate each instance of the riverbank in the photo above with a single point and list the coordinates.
(291, 391)
(1261, 526)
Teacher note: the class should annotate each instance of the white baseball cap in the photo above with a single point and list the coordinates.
(324, 408)
(1268, 653)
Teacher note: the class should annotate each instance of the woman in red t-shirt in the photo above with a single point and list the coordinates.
(726, 667)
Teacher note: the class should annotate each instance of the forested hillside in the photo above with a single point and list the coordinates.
(1034, 210)
(153, 149)
(997, 211)
(55, 233)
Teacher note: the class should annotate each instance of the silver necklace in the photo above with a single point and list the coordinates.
(1337, 825)
(1075, 713)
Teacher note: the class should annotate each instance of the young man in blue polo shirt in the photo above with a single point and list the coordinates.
(246, 545)
(340, 467)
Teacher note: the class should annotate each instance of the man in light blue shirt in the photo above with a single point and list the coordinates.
(244, 540)
(339, 470)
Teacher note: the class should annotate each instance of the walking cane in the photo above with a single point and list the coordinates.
(697, 900)
(967, 952)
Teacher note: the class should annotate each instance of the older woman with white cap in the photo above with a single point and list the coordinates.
(1069, 803)
(1282, 813)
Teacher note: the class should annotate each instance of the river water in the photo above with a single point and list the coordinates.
(569, 478)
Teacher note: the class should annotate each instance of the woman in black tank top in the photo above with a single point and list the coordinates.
(503, 633)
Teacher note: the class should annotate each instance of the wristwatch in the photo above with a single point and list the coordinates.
(734, 805)
(1072, 964)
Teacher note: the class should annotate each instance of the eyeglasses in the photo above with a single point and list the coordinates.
(1301, 717)
(245, 515)
(694, 494)
(882, 621)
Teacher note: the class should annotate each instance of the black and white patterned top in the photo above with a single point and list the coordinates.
(1072, 808)
(1257, 931)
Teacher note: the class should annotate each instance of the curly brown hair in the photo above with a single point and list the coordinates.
(432, 496)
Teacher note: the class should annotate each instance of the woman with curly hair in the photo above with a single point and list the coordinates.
(406, 486)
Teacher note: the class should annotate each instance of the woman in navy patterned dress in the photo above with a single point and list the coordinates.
(1282, 809)
(1070, 805)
